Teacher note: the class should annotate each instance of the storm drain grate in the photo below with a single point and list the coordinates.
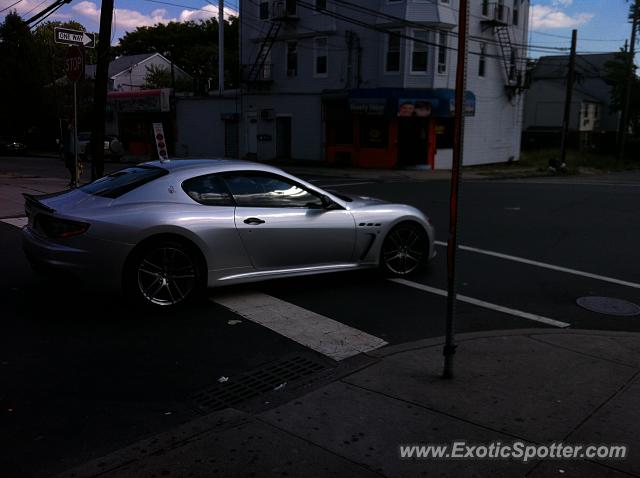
(609, 306)
(251, 384)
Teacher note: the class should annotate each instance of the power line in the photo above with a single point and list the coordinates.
(12, 5)
(569, 38)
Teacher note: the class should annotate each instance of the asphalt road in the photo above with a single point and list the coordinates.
(81, 374)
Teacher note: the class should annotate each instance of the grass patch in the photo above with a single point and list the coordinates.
(537, 162)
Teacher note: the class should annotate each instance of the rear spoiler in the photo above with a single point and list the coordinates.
(31, 200)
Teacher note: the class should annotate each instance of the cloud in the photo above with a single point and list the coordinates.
(545, 16)
(126, 19)
(562, 3)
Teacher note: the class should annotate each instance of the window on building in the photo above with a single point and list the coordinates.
(516, 11)
(264, 10)
(513, 64)
(443, 45)
(444, 1)
(419, 53)
(485, 7)
(500, 10)
(292, 58)
(321, 4)
(291, 7)
(392, 60)
(321, 54)
(482, 60)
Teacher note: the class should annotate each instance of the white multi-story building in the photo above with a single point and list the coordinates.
(371, 83)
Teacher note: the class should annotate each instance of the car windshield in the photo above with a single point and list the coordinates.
(121, 182)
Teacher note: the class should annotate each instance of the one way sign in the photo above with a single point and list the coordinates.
(75, 37)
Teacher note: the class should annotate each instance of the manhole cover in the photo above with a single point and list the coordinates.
(609, 306)
(256, 382)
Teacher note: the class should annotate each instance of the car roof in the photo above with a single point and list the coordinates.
(208, 166)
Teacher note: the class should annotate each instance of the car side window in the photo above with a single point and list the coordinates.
(267, 190)
(209, 190)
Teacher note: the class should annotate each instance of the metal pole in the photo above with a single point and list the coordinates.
(75, 133)
(220, 47)
(568, 98)
(100, 90)
(454, 200)
(624, 118)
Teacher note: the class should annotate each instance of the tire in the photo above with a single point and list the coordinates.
(164, 273)
(405, 250)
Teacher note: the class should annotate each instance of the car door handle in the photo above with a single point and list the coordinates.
(254, 221)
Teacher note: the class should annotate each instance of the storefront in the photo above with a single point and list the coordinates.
(131, 114)
(389, 127)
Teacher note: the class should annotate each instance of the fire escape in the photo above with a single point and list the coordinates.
(280, 12)
(498, 17)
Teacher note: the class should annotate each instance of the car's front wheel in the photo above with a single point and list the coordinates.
(404, 250)
(164, 273)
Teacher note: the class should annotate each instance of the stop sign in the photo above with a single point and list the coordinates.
(74, 63)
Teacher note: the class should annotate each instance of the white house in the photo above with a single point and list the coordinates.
(129, 72)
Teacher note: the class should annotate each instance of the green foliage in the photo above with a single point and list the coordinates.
(193, 46)
(160, 77)
(616, 76)
(21, 76)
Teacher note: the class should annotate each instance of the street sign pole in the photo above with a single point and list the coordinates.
(454, 202)
(75, 133)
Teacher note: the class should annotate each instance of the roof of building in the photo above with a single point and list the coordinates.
(120, 64)
(586, 65)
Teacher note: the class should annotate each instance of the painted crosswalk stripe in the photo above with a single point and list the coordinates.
(544, 265)
(322, 334)
(19, 222)
(483, 304)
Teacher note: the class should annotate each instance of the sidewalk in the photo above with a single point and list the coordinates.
(539, 386)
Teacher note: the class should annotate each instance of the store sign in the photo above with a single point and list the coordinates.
(416, 108)
(371, 106)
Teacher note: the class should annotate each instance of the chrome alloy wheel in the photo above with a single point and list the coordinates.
(404, 249)
(167, 275)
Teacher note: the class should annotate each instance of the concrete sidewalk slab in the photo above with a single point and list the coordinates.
(616, 422)
(512, 384)
(531, 385)
(368, 428)
(11, 190)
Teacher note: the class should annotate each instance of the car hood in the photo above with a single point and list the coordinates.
(363, 201)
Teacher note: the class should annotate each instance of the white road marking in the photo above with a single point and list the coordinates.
(18, 222)
(545, 265)
(322, 334)
(482, 303)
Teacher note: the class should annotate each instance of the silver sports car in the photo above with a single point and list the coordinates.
(163, 231)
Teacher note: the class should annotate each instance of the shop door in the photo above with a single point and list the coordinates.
(413, 141)
(283, 137)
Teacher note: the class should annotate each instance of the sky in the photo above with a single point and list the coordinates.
(602, 24)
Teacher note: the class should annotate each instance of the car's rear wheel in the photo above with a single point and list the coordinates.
(163, 274)
(404, 250)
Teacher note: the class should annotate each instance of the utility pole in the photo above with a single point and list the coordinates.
(624, 118)
(454, 200)
(220, 47)
(568, 98)
(100, 90)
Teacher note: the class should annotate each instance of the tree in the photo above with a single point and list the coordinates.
(616, 76)
(193, 46)
(160, 77)
(21, 77)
